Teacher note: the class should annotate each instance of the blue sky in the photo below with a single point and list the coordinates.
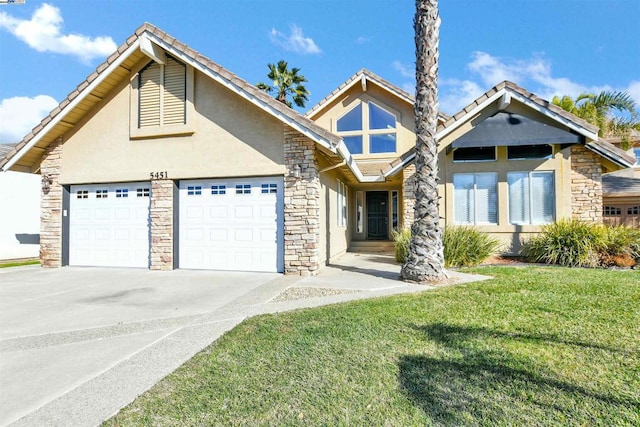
(550, 47)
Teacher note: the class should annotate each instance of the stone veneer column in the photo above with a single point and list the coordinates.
(301, 205)
(161, 224)
(586, 185)
(408, 196)
(51, 208)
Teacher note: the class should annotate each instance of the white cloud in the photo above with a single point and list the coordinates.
(295, 42)
(534, 74)
(43, 32)
(405, 70)
(20, 114)
(362, 40)
(634, 92)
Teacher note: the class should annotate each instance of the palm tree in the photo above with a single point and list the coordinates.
(425, 261)
(286, 83)
(598, 109)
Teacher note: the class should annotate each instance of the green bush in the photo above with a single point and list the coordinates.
(402, 239)
(574, 243)
(463, 246)
(571, 243)
(466, 246)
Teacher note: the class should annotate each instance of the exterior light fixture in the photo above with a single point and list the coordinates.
(296, 170)
(46, 183)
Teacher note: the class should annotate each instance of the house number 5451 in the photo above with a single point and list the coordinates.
(159, 175)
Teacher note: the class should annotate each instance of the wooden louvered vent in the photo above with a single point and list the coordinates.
(162, 94)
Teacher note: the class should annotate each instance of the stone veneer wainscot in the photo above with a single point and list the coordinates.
(301, 205)
(51, 208)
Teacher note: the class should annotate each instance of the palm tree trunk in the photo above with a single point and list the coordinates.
(425, 261)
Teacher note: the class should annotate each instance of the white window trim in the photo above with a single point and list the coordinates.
(185, 129)
(342, 204)
(531, 222)
(366, 132)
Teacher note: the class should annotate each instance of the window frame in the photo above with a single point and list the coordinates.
(531, 201)
(546, 157)
(494, 159)
(366, 132)
(495, 206)
(342, 202)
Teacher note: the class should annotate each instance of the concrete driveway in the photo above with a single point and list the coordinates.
(77, 344)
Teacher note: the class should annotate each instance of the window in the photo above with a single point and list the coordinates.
(394, 210)
(474, 154)
(342, 204)
(218, 189)
(359, 212)
(82, 194)
(526, 152)
(243, 189)
(102, 194)
(633, 210)
(612, 211)
(194, 190)
(142, 192)
(269, 188)
(122, 193)
(531, 197)
(475, 198)
(375, 135)
(162, 92)
(636, 152)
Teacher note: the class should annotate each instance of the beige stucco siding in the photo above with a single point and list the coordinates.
(334, 239)
(231, 137)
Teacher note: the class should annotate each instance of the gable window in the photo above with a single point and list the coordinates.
(342, 204)
(531, 197)
(474, 154)
(475, 198)
(527, 152)
(368, 129)
(162, 94)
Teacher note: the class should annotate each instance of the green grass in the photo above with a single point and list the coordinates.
(535, 346)
(7, 264)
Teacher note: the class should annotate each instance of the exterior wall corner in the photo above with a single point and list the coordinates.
(586, 185)
(301, 205)
(161, 225)
(51, 207)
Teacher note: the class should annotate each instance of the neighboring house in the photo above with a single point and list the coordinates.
(621, 197)
(163, 159)
(19, 212)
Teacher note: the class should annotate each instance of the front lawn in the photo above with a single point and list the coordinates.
(534, 346)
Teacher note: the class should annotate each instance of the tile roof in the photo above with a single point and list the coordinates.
(6, 149)
(263, 98)
(621, 183)
(611, 152)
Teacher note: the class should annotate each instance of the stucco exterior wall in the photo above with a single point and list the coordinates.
(231, 137)
(334, 239)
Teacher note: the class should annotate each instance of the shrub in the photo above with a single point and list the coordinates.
(571, 243)
(401, 240)
(463, 246)
(620, 246)
(466, 246)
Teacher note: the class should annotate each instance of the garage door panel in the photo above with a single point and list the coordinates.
(242, 228)
(109, 225)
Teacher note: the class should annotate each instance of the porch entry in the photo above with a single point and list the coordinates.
(377, 215)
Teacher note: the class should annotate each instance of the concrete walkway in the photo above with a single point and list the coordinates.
(78, 344)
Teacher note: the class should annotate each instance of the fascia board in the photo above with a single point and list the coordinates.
(238, 90)
(81, 96)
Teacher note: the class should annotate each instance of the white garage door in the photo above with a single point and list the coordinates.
(232, 224)
(109, 225)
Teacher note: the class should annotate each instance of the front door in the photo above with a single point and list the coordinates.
(377, 215)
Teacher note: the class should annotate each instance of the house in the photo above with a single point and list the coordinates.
(163, 159)
(621, 189)
(19, 212)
